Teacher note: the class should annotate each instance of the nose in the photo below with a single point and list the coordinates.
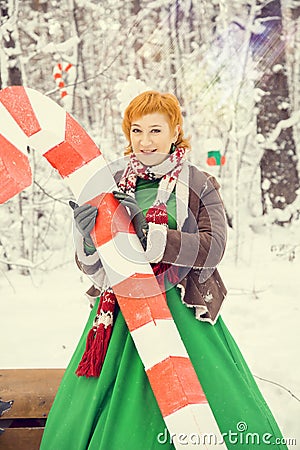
(146, 139)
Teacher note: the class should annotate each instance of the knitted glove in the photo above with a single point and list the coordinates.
(137, 217)
(85, 218)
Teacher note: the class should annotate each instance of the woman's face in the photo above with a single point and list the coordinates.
(151, 138)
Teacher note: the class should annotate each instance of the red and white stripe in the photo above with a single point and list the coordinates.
(60, 71)
(30, 118)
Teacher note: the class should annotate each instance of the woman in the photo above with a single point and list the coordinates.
(107, 403)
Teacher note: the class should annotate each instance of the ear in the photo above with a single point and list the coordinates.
(176, 133)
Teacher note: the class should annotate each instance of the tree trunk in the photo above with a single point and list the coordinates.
(14, 74)
(13, 77)
(278, 165)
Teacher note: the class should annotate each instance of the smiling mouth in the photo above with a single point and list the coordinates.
(148, 151)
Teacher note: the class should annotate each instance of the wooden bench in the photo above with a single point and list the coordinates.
(32, 392)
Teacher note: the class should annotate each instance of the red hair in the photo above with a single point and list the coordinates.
(150, 102)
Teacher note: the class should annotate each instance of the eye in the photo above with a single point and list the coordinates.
(155, 130)
(135, 130)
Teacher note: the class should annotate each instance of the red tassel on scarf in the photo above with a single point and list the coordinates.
(98, 337)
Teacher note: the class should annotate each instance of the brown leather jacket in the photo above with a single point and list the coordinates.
(196, 249)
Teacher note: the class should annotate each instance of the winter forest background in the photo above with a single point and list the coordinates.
(235, 67)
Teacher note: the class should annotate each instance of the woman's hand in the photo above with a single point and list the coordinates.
(137, 217)
(85, 218)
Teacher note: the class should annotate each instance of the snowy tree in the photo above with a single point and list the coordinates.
(28, 220)
(11, 73)
(279, 172)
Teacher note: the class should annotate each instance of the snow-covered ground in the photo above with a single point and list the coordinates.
(42, 317)
(262, 313)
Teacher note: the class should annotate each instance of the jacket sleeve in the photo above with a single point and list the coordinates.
(201, 243)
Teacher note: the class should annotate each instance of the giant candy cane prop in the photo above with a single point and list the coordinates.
(28, 118)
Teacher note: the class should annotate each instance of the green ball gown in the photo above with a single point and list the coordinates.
(118, 410)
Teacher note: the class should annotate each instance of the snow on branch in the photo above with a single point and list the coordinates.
(63, 47)
(281, 125)
(23, 262)
(279, 385)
